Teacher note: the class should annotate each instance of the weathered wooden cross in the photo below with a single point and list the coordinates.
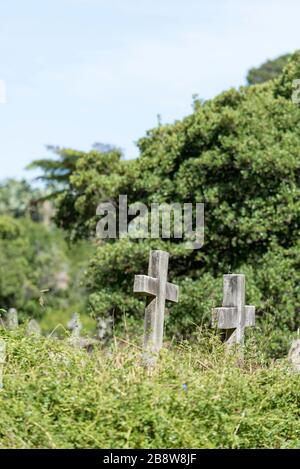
(234, 316)
(158, 290)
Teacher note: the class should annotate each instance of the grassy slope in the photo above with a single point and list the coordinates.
(55, 396)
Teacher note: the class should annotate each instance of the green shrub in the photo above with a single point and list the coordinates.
(31, 257)
(55, 396)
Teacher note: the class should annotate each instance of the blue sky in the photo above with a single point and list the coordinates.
(81, 71)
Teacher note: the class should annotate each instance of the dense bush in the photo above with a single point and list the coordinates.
(239, 154)
(40, 274)
(55, 396)
(30, 257)
(33, 258)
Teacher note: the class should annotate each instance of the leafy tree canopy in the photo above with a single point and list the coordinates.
(16, 197)
(268, 70)
(239, 154)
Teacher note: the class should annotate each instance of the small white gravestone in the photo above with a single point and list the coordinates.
(2, 319)
(11, 320)
(2, 360)
(104, 328)
(234, 316)
(75, 326)
(33, 328)
(157, 289)
(294, 355)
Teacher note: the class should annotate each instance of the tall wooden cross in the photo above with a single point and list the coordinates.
(234, 316)
(157, 289)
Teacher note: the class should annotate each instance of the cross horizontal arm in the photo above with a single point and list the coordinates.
(226, 318)
(146, 285)
(250, 316)
(172, 292)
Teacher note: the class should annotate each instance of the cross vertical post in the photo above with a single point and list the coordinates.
(157, 289)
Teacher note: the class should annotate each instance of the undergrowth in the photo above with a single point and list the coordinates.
(55, 396)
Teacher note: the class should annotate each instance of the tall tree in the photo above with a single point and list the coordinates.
(268, 70)
(17, 197)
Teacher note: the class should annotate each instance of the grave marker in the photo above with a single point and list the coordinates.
(11, 319)
(75, 326)
(33, 328)
(234, 316)
(157, 290)
(104, 328)
(294, 355)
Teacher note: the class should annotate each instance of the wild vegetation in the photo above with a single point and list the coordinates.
(56, 396)
(40, 274)
(239, 155)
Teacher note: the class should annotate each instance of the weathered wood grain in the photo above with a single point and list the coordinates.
(234, 316)
(157, 290)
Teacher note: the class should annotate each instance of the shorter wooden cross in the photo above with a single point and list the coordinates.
(234, 316)
(158, 290)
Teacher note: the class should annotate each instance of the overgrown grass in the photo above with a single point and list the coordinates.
(55, 396)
